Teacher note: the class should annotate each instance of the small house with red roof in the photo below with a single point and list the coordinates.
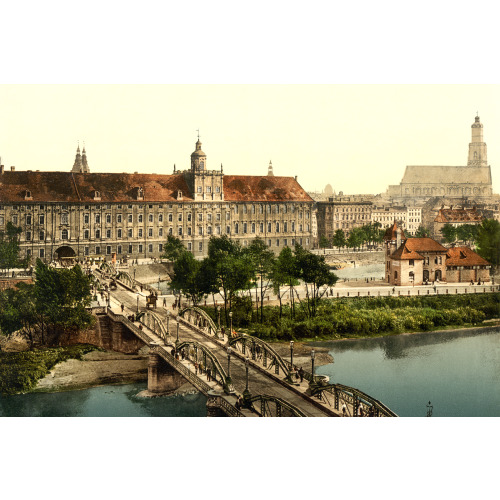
(415, 261)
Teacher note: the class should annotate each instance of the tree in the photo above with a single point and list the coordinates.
(173, 248)
(285, 273)
(422, 232)
(324, 242)
(339, 239)
(356, 238)
(315, 273)
(190, 277)
(54, 304)
(230, 268)
(10, 248)
(467, 233)
(263, 261)
(488, 241)
(449, 233)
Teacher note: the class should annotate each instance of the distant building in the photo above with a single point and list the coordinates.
(342, 212)
(415, 261)
(387, 215)
(471, 181)
(455, 217)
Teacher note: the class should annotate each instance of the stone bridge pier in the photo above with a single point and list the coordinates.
(162, 378)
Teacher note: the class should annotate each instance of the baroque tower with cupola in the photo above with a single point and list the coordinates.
(204, 184)
(477, 148)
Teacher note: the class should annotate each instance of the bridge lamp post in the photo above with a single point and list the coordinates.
(137, 303)
(158, 285)
(291, 353)
(246, 392)
(218, 316)
(229, 389)
(168, 320)
(313, 355)
(177, 339)
(231, 327)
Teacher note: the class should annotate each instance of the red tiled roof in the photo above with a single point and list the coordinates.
(458, 215)
(464, 256)
(404, 253)
(113, 187)
(263, 188)
(424, 245)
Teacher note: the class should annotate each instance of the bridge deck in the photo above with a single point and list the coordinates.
(259, 382)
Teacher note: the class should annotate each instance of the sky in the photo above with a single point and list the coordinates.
(358, 138)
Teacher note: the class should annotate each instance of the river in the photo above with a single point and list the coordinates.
(457, 371)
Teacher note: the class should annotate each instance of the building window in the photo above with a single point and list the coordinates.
(140, 218)
(86, 234)
(253, 227)
(119, 218)
(245, 228)
(209, 189)
(108, 233)
(209, 230)
(119, 233)
(285, 241)
(412, 262)
(236, 228)
(269, 227)
(277, 243)
(14, 220)
(28, 235)
(189, 217)
(179, 231)
(200, 217)
(190, 246)
(228, 229)
(41, 235)
(97, 234)
(141, 249)
(200, 246)
(64, 218)
(97, 250)
(130, 218)
(285, 227)
(236, 209)
(160, 247)
(150, 232)
(41, 253)
(41, 219)
(277, 227)
(188, 231)
(170, 231)
(108, 250)
(150, 248)
(261, 228)
(130, 249)
(64, 234)
(130, 233)
(217, 229)
(199, 189)
(108, 218)
(2, 220)
(160, 217)
(268, 243)
(150, 217)
(217, 189)
(170, 218)
(97, 219)
(179, 218)
(160, 231)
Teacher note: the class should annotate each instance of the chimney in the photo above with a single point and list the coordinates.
(12, 169)
(398, 238)
(2, 169)
(296, 178)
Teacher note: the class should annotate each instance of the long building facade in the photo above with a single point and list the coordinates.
(81, 215)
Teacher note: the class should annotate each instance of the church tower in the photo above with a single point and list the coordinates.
(477, 148)
(198, 158)
(270, 168)
(80, 165)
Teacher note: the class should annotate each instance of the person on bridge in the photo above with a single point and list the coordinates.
(301, 374)
(122, 308)
(164, 301)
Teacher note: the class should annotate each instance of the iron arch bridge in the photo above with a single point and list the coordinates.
(337, 394)
(126, 278)
(152, 321)
(108, 268)
(207, 363)
(271, 406)
(201, 318)
(260, 351)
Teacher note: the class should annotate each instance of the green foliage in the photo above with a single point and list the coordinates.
(173, 248)
(449, 233)
(20, 371)
(421, 232)
(55, 303)
(10, 249)
(339, 239)
(324, 242)
(467, 233)
(359, 317)
(188, 277)
(488, 241)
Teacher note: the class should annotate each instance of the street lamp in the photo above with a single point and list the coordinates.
(247, 364)
(218, 316)
(137, 302)
(291, 354)
(429, 409)
(134, 275)
(313, 354)
(177, 340)
(158, 284)
(168, 320)
(246, 392)
(231, 327)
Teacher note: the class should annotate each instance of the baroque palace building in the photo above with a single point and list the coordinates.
(79, 215)
(472, 181)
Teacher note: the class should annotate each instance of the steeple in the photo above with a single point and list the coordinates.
(80, 165)
(477, 147)
(270, 169)
(198, 158)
